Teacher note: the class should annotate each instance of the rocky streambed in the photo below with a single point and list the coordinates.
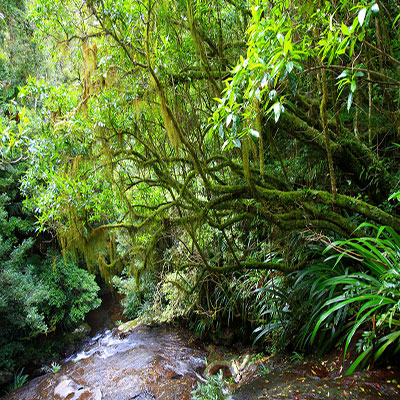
(145, 362)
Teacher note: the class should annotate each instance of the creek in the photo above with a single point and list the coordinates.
(145, 362)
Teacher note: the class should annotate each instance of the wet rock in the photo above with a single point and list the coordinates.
(83, 329)
(64, 389)
(224, 366)
(68, 389)
(127, 327)
(176, 376)
(97, 394)
(146, 395)
(75, 338)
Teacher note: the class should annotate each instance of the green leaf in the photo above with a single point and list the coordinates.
(289, 66)
(287, 47)
(277, 111)
(388, 339)
(281, 38)
(351, 51)
(255, 133)
(360, 358)
(345, 30)
(264, 81)
(355, 327)
(395, 195)
(225, 145)
(375, 8)
(344, 74)
(336, 307)
(343, 46)
(228, 119)
(349, 100)
(221, 131)
(395, 20)
(361, 16)
(237, 143)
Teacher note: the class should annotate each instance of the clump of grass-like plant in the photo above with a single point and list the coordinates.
(19, 380)
(370, 294)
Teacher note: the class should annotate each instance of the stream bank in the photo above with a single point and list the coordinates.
(314, 378)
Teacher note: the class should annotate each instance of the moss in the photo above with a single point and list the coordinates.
(130, 325)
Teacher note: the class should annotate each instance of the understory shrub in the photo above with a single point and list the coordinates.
(356, 289)
(214, 388)
(276, 322)
(21, 294)
(367, 296)
(37, 293)
(176, 296)
(137, 291)
(72, 292)
(40, 298)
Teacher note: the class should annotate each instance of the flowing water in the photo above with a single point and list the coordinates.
(147, 363)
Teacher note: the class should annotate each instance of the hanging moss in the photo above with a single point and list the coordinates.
(115, 267)
(173, 134)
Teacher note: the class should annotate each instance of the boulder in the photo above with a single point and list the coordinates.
(129, 326)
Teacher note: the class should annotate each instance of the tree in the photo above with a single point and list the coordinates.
(19, 56)
(304, 99)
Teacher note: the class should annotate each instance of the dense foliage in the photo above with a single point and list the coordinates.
(373, 293)
(210, 148)
(131, 94)
(39, 290)
(37, 293)
(19, 55)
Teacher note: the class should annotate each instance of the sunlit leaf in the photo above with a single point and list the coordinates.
(272, 94)
(349, 101)
(344, 74)
(289, 66)
(345, 29)
(228, 119)
(277, 111)
(361, 16)
(375, 8)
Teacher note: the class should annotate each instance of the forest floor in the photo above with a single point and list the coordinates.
(314, 377)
